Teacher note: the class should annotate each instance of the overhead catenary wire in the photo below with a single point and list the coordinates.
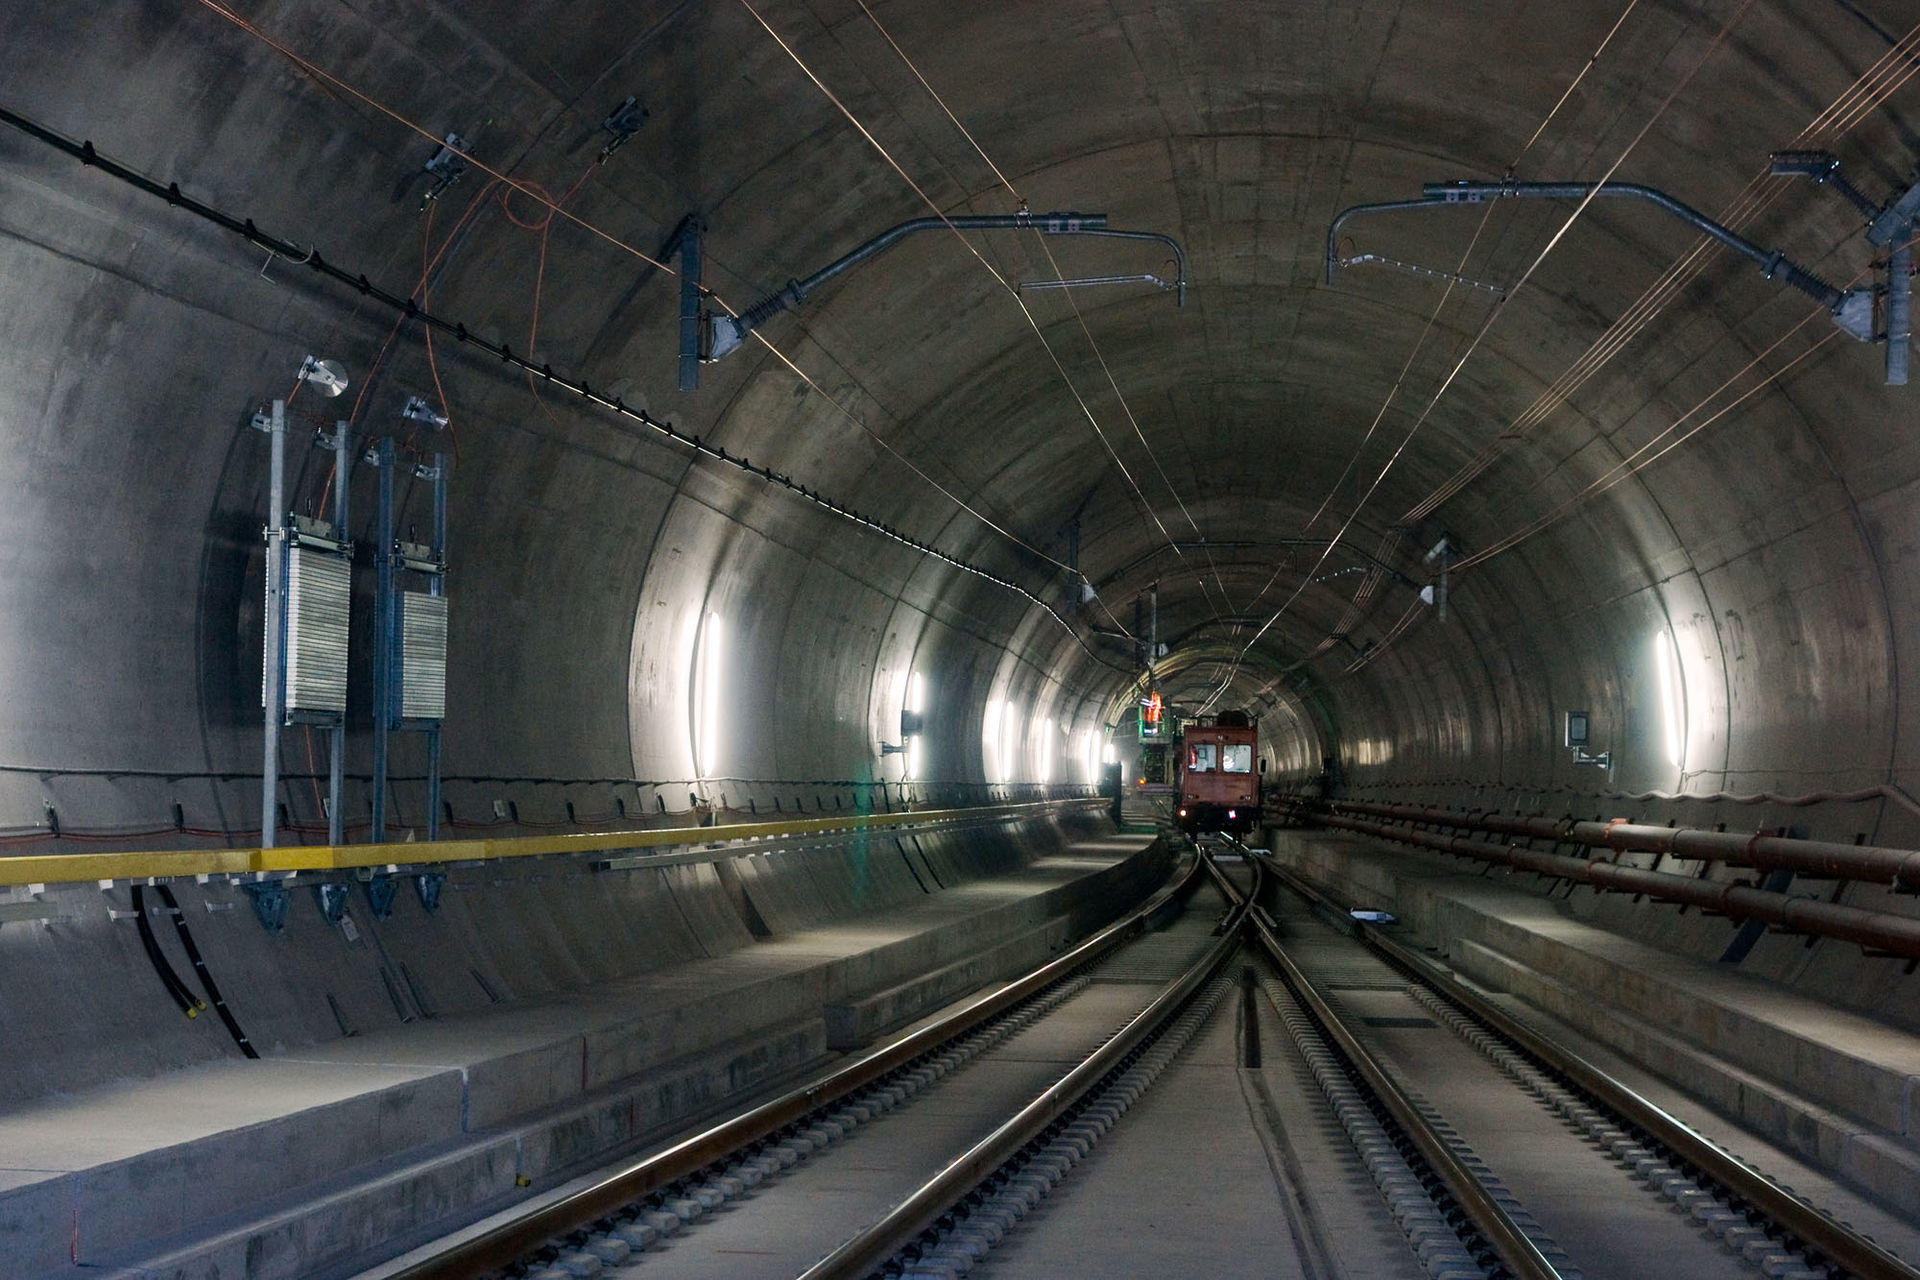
(1060, 277)
(1426, 330)
(533, 192)
(1867, 92)
(1620, 471)
(411, 309)
(1872, 88)
(1013, 292)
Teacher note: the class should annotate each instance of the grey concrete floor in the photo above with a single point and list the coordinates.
(786, 1225)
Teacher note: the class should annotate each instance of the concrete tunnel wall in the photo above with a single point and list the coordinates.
(1778, 544)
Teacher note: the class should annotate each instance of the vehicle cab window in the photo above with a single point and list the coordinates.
(1200, 758)
(1237, 758)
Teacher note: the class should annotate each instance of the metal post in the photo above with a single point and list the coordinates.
(1899, 304)
(337, 735)
(437, 586)
(274, 665)
(383, 627)
(689, 238)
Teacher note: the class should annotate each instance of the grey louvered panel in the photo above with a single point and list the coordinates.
(319, 598)
(423, 656)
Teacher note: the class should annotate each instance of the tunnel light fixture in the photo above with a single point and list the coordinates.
(328, 377)
(1579, 735)
(990, 741)
(913, 708)
(1673, 696)
(1043, 749)
(1009, 743)
(707, 691)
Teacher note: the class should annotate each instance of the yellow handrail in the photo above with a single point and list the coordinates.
(71, 868)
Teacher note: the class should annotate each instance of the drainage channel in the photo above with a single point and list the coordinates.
(1623, 1182)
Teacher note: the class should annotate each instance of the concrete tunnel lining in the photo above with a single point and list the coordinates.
(1776, 544)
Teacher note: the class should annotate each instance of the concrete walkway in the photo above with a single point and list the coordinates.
(272, 1159)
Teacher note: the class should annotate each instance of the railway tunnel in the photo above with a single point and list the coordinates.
(586, 425)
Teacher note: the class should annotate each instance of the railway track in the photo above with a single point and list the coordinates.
(975, 1144)
(1542, 1163)
(746, 1197)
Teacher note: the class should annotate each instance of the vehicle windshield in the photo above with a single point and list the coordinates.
(1200, 758)
(1237, 758)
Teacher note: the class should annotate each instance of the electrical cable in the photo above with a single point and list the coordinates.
(1621, 471)
(185, 999)
(412, 310)
(533, 192)
(206, 978)
(1499, 308)
(1634, 463)
(1012, 292)
(1099, 355)
(1866, 93)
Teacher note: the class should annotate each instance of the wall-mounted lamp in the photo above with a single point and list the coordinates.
(417, 409)
(328, 377)
(1579, 735)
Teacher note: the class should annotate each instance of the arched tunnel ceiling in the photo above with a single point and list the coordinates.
(1287, 434)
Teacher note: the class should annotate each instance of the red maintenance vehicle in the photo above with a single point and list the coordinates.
(1219, 785)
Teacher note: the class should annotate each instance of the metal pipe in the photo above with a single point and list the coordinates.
(437, 585)
(1872, 930)
(337, 734)
(383, 638)
(1384, 206)
(730, 331)
(1089, 282)
(1858, 1255)
(274, 665)
(1179, 254)
(1052, 224)
(1881, 865)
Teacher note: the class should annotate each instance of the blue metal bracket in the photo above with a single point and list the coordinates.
(686, 240)
(269, 904)
(380, 896)
(333, 901)
(427, 885)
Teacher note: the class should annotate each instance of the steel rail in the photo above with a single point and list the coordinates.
(1858, 1255)
(511, 1241)
(870, 1249)
(1521, 1255)
(67, 868)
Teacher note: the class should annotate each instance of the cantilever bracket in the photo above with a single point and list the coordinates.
(1851, 309)
(620, 125)
(685, 241)
(449, 163)
(725, 334)
(1889, 227)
